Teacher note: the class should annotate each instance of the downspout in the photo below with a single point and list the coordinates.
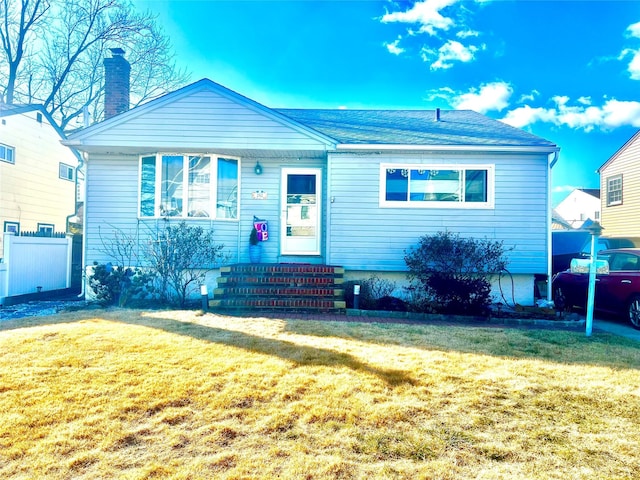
(552, 162)
(75, 208)
(84, 229)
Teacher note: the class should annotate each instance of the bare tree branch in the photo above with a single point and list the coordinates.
(65, 69)
(19, 23)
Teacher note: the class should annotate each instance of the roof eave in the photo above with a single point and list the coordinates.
(449, 148)
(618, 152)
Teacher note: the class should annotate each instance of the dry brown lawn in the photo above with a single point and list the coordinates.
(180, 395)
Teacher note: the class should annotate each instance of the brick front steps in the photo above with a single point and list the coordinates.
(280, 287)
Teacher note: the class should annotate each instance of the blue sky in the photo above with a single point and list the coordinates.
(568, 71)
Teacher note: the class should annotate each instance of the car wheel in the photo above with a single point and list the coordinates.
(634, 311)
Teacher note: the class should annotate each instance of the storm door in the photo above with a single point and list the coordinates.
(301, 211)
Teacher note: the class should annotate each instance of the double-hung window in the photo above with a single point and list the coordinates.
(437, 186)
(189, 186)
(614, 190)
(7, 153)
(66, 172)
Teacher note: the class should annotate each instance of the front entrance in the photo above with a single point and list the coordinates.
(301, 211)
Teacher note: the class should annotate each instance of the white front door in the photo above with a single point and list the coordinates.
(301, 211)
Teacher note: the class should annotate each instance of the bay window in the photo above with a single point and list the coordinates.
(437, 186)
(189, 186)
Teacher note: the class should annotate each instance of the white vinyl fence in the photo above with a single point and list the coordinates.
(34, 264)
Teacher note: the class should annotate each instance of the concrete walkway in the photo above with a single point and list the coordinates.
(621, 328)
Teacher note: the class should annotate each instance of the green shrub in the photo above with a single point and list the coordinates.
(451, 274)
(120, 285)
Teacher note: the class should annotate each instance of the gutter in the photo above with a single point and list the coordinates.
(451, 148)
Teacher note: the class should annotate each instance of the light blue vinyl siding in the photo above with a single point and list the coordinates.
(203, 120)
(112, 206)
(364, 236)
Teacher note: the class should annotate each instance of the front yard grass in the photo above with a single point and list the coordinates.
(180, 395)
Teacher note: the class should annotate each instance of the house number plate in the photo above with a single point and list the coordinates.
(259, 195)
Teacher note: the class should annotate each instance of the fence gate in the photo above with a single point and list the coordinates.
(76, 263)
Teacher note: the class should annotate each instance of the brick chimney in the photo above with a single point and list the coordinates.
(116, 83)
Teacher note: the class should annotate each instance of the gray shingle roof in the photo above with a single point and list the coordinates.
(414, 127)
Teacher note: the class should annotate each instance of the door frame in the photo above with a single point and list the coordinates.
(283, 209)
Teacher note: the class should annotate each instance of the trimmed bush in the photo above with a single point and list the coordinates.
(451, 274)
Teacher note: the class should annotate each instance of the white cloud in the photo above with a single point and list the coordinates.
(394, 47)
(445, 21)
(426, 14)
(450, 52)
(634, 66)
(617, 113)
(526, 115)
(492, 96)
(529, 97)
(612, 114)
(633, 30)
(467, 34)
(443, 94)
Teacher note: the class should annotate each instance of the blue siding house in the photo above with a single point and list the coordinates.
(353, 188)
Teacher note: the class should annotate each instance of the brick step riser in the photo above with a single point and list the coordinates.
(288, 292)
(279, 311)
(278, 281)
(279, 303)
(302, 270)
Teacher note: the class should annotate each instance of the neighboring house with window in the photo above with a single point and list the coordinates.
(37, 173)
(580, 206)
(353, 188)
(620, 187)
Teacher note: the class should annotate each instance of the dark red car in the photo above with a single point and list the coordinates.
(617, 293)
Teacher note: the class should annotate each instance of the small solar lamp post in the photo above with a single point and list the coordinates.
(204, 294)
(356, 297)
(595, 229)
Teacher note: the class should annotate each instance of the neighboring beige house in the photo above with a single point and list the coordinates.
(620, 191)
(37, 173)
(581, 205)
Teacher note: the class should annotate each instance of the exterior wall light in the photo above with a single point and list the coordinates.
(258, 169)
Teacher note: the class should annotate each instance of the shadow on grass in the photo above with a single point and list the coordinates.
(557, 346)
(299, 354)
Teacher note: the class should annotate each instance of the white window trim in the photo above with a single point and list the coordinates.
(488, 205)
(609, 180)
(13, 150)
(47, 228)
(10, 226)
(68, 168)
(185, 181)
